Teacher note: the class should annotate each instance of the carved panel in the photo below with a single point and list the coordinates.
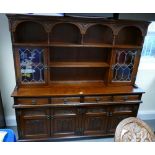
(35, 128)
(113, 122)
(93, 123)
(64, 125)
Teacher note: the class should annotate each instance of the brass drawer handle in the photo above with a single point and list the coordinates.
(97, 99)
(34, 101)
(65, 101)
(125, 98)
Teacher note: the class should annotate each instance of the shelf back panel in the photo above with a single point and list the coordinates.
(86, 54)
(65, 33)
(77, 74)
(129, 36)
(30, 32)
(98, 34)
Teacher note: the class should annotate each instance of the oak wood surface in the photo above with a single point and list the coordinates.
(77, 96)
(64, 90)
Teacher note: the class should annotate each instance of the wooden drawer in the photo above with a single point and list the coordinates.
(32, 101)
(65, 100)
(122, 109)
(95, 99)
(27, 113)
(96, 110)
(64, 111)
(118, 98)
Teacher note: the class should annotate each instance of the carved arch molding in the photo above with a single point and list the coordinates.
(83, 27)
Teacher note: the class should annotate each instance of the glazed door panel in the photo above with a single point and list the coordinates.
(31, 65)
(34, 123)
(64, 122)
(124, 68)
(94, 121)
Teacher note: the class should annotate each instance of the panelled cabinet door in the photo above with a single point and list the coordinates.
(31, 65)
(64, 122)
(34, 123)
(125, 64)
(94, 121)
(117, 114)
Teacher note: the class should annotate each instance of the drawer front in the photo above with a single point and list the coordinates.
(64, 111)
(32, 101)
(65, 100)
(122, 109)
(118, 98)
(96, 110)
(95, 99)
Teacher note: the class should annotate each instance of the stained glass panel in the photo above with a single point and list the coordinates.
(31, 65)
(124, 62)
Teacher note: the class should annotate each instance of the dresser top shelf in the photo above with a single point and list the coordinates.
(74, 90)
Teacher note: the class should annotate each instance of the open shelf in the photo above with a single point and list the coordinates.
(99, 34)
(60, 44)
(65, 33)
(133, 36)
(79, 64)
(77, 74)
(82, 54)
(30, 32)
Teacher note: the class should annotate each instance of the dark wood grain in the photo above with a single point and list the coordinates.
(78, 97)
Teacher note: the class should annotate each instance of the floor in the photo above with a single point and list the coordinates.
(151, 123)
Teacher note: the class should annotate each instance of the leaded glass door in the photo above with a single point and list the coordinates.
(32, 65)
(124, 66)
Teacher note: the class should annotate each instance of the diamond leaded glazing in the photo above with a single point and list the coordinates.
(31, 65)
(124, 62)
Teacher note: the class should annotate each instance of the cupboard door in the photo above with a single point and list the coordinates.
(117, 113)
(64, 122)
(31, 65)
(94, 121)
(34, 123)
(125, 64)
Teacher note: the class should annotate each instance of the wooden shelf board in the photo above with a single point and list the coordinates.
(31, 44)
(127, 46)
(79, 64)
(84, 82)
(80, 45)
(99, 45)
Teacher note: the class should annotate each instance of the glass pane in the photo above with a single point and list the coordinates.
(31, 65)
(124, 62)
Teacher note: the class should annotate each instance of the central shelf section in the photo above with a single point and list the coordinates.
(82, 64)
(81, 55)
